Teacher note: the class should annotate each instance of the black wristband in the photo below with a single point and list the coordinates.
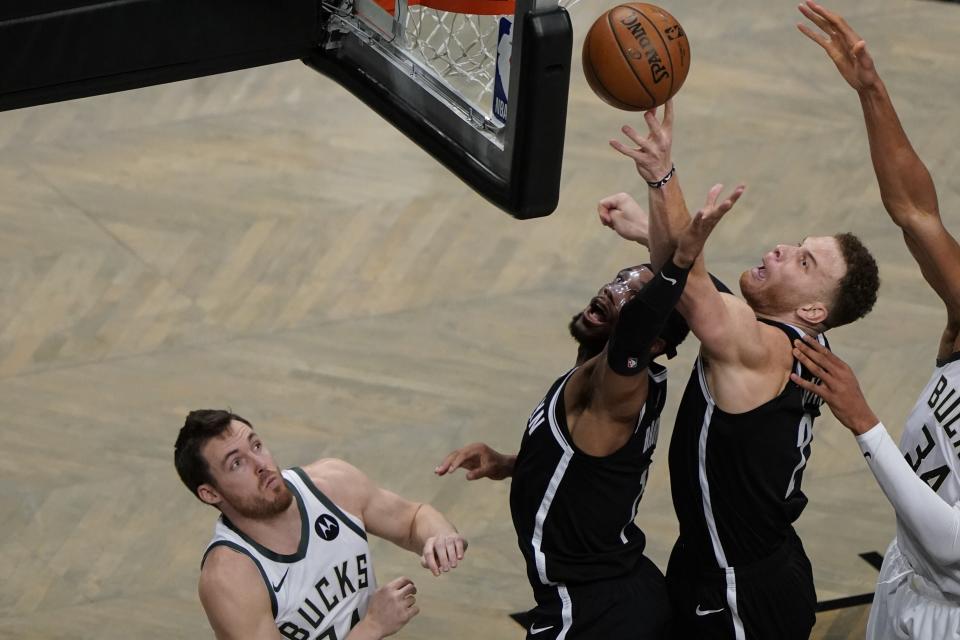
(664, 180)
(643, 318)
(674, 274)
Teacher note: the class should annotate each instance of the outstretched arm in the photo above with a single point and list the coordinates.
(415, 526)
(906, 188)
(611, 388)
(653, 160)
(480, 461)
(935, 523)
(723, 323)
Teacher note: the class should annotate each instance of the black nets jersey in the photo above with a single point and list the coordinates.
(735, 478)
(573, 512)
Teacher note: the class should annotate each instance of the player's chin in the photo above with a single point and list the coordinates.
(585, 332)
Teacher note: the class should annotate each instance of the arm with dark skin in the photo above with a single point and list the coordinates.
(906, 188)
(935, 523)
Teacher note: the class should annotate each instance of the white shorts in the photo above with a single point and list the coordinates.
(908, 606)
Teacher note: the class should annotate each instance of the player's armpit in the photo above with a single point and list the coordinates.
(234, 597)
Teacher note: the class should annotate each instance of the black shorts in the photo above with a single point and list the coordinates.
(770, 598)
(631, 607)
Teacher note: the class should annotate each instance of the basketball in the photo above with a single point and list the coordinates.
(636, 56)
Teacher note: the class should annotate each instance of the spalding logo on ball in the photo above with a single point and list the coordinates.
(636, 56)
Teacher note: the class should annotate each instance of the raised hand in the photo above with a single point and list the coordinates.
(847, 50)
(479, 460)
(652, 153)
(391, 607)
(694, 236)
(624, 215)
(442, 553)
(838, 385)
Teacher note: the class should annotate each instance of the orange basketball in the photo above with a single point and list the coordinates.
(636, 56)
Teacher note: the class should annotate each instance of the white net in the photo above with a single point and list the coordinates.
(460, 48)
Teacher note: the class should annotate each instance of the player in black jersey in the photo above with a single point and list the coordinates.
(585, 455)
(743, 430)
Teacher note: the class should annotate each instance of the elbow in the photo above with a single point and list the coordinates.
(907, 215)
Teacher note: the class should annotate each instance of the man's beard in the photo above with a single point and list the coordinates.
(591, 343)
(261, 507)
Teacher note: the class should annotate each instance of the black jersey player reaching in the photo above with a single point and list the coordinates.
(585, 454)
(743, 430)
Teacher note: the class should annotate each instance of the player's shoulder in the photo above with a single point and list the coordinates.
(332, 469)
(342, 482)
(234, 595)
(227, 571)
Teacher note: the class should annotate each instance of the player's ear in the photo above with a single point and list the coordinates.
(207, 493)
(814, 313)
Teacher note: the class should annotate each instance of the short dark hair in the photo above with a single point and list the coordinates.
(857, 291)
(200, 426)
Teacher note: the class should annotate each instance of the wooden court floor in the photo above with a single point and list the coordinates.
(260, 240)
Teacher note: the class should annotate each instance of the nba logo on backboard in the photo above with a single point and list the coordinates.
(501, 79)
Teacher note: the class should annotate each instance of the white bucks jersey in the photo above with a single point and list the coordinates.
(931, 444)
(321, 591)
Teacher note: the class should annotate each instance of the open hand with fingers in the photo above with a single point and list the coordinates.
(847, 50)
(652, 152)
(624, 215)
(443, 553)
(479, 460)
(838, 385)
(691, 240)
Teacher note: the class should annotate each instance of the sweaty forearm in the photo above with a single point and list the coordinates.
(935, 523)
(643, 318)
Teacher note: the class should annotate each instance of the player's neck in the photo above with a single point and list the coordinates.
(279, 533)
(585, 352)
(793, 320)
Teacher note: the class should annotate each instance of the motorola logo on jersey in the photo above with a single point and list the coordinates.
(327, 527)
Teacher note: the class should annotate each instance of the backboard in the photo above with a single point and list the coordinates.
(480, 84)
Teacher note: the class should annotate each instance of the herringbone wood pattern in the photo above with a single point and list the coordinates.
(261, 240)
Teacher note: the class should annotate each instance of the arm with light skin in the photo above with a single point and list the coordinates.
(935, 523)
(725, 325)
(235, 597)
(610, 401)
(237, 604)
(417, 527)
(906, 188)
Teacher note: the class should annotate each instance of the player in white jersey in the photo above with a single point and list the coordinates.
(289, 556)
(918, 592)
